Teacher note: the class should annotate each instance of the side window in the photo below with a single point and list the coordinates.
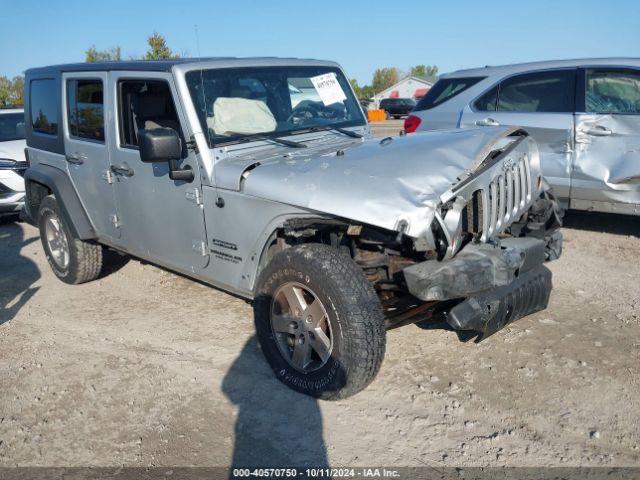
(44, 106)
(144, 104)
(487, 102)
(85, 109)
(538, 92)
(612, 91)
(445, 89)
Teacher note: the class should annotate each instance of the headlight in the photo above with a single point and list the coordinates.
(7, 164)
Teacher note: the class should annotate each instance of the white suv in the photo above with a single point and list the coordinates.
(12, 161)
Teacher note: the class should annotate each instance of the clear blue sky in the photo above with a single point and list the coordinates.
(361, 35)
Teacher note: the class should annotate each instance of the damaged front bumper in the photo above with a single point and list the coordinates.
(497, 283)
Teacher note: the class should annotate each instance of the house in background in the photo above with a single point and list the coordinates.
(408, 87)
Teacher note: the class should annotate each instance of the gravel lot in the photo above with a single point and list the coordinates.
(143, 367)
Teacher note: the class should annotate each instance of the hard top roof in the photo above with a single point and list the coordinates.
(167, 65)
(524, 67)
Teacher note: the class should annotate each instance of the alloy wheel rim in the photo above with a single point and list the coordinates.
(301, 327)
(57, 241)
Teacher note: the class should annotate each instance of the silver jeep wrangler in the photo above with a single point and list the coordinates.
(260, 177)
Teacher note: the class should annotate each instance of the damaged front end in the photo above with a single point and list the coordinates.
(457, 223)
(492, 234)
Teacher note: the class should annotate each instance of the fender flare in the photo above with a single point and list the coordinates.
(73, 213)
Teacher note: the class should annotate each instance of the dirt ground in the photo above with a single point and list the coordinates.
(146, 368)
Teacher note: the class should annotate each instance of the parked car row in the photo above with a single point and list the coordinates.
(583, 114)
(260, 176)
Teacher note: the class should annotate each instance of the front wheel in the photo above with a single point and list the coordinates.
(319, 322)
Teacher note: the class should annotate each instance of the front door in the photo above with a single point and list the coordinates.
(86, 148)
(161, 219)
(606, 170)
(542, 103)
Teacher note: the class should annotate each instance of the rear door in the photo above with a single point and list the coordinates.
(542, 102)
(86, 148)
(606, 172)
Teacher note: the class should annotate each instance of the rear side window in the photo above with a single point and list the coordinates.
(612, 91)
(488, 102)
(44, 106)
(445, 89)
(85, 109)
(538, 92)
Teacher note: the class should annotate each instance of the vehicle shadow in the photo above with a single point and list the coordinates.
(602, 222)
(112, 262)
(17, 272)
(276, 427)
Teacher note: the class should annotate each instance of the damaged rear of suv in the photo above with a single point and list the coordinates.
(260, 177)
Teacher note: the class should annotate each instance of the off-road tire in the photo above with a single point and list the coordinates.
(85, 258)
(352, 308)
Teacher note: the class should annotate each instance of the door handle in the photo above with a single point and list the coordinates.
(487, 122)
(76, 158)
(597, 130)
(123, 169)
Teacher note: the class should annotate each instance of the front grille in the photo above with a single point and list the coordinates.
(504, 200)
(472, 214)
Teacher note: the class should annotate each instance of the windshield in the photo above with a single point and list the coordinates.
(236, 103)
(11, 126)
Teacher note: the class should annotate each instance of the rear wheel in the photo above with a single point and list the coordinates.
(319, 322)
(73, 261)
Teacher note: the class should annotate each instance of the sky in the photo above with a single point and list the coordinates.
(360, 35)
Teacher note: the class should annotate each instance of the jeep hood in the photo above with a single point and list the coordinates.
(385, 183)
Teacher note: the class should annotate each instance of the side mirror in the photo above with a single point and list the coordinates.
(164, 145)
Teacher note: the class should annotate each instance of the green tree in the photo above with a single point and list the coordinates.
(158, 49)
(363, 93)
(11, 90)
(17, 90)
(383, 78)
(5, 91)
(427, 72)
(94, 55)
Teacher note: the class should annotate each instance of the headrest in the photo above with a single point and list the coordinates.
(242, 92)
(149, 105)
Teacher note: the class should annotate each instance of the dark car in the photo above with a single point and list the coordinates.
(397, 107)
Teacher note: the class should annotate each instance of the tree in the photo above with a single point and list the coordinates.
(17, 90)
(158, 49)
(363, 93)
(429, 72)
(5, 90)
(11, 90)
(94, 55)
(383, 78)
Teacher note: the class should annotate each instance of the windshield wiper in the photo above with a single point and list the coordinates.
(344, 131)
(281, 141)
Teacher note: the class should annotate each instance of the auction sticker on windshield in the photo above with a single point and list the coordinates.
(328, 88)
